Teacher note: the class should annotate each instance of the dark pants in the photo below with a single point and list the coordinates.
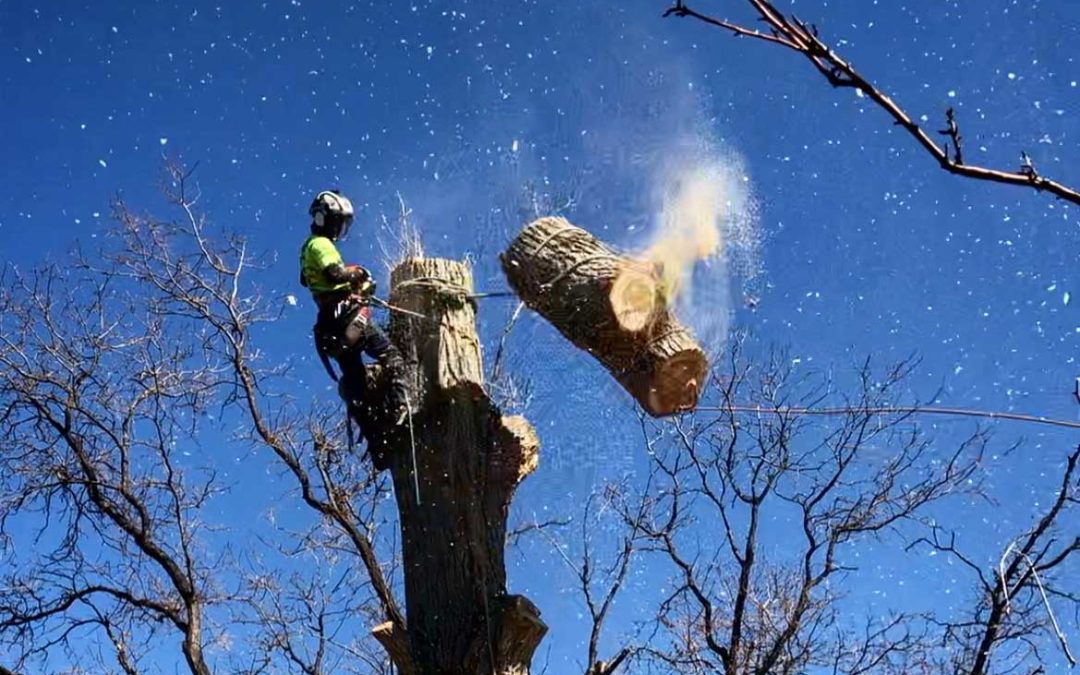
(346, 333)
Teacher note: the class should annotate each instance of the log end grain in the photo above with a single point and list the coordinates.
(672, 386)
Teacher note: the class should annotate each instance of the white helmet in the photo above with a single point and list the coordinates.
(331, 212)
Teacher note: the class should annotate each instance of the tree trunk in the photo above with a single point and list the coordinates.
(613, 307)
(454, 476)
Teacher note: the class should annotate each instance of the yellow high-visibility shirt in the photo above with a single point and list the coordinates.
(317, 254)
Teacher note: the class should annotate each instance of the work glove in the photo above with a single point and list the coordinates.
(357, 272)
(361, 280)
(366, 287)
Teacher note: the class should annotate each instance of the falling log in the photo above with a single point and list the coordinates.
(612, 306)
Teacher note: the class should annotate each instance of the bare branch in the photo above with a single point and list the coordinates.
(726, 465)
(790, 32)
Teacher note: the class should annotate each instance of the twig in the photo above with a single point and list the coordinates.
(518, 532)
(681, 10)
(952, 130)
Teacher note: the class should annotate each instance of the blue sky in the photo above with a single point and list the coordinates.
(864, 246)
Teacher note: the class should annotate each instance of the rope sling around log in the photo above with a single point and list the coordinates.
(612, 306)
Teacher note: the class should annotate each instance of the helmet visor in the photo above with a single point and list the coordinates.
(344, 223)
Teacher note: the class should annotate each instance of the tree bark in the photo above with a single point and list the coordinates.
(454, 476)
(613, 307)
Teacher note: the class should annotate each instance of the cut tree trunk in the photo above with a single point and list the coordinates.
(454, 476)
(613, 307)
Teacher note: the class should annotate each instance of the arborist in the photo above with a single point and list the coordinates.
(345, 329)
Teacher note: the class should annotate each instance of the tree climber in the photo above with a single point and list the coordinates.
(344, 328)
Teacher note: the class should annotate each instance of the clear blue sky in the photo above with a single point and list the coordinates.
(866, 247)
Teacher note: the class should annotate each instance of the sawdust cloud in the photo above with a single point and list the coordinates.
(704, 237)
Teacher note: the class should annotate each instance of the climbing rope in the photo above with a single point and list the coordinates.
(895, 410)
(412, 444)
(451, 289)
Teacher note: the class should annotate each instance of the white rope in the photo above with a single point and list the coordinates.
(1001, 576)
(1042, 591)
(412, 443)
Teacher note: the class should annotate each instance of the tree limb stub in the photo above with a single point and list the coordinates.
(468, 459)
(612, 306)
(396, 644)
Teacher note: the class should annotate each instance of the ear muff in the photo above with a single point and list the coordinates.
(331, 209)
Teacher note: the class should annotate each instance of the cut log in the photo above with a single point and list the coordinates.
(613, 306)
(454, 475)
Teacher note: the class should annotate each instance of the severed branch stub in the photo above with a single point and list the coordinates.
(612, 306)
(952, 130)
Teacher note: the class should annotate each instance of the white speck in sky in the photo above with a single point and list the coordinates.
(952, 93)
(291, 299)
(102, 163)
(115, 29)
(1012, 76)
(163, 140)
(1066, 298)
(514, 146)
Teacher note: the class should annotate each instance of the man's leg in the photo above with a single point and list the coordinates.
(353, 381)
(379, 347)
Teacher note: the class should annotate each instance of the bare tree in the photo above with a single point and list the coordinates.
(599, 558)
(101, 405)
(94, 401)
(314, 619)
(1014, 608)
(789, 32)
(721, 480)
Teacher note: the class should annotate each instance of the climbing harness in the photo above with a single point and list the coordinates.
(347, 311)
(333, 338)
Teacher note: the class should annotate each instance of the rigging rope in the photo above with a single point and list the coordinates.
(898, 410)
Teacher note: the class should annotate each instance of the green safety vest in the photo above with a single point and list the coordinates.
(316, 255)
